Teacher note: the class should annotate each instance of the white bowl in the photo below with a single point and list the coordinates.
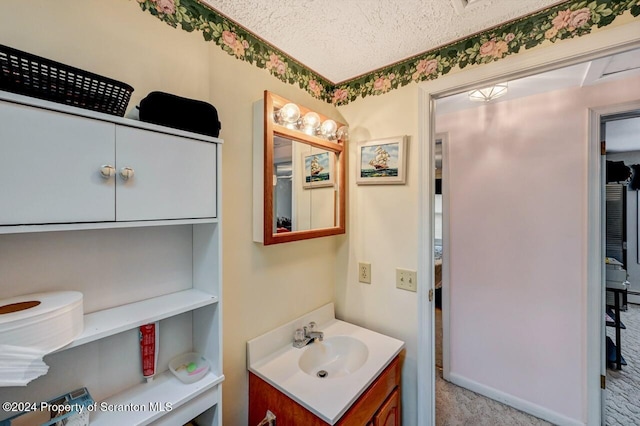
(189, 367)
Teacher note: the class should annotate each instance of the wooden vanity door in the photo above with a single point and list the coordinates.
(389, 413)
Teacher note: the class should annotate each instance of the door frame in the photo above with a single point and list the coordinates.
(565, 53)
(596, 240)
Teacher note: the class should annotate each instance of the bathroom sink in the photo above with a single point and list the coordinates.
(336, 356)
(351, 356)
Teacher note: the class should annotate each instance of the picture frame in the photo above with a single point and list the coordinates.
(382, 161)
(318, 169)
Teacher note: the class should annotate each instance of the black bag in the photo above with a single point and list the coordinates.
(617, 171)
(181, 113)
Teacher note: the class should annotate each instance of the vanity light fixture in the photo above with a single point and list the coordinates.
(310, 123)
(488, 93)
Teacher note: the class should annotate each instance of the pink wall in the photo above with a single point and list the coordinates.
(518, 211)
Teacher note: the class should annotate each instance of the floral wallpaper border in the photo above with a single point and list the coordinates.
(573, 18)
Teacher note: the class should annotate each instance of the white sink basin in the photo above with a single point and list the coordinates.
(351, 355)
(334, 357)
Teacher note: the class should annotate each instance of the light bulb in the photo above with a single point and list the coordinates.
(289, 113)
(343, 133)
(310, 122)
(328, 128)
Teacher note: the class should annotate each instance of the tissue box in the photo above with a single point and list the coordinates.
(72, 409)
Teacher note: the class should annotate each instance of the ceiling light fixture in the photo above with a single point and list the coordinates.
(488, 93)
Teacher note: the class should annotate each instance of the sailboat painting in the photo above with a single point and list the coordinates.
(382, 161)
(318, 170)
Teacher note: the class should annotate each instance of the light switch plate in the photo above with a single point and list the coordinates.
(406, 279)
(364, 272)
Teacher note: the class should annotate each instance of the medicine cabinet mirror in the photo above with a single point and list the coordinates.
(299, 172)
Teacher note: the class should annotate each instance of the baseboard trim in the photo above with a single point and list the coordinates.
(513, 401)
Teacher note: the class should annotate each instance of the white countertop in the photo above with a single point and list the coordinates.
(273, 358)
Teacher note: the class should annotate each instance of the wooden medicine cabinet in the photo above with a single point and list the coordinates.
(299, 160)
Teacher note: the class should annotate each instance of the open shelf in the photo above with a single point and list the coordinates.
(52, 227)
(148, 402)
(101, 324)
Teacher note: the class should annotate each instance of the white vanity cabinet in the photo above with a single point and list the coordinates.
(165, 265)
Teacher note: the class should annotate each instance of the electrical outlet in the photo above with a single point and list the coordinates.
(406, 279)
(364, 272)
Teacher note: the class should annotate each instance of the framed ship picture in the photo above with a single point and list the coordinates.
(382, 161)
(318, 169)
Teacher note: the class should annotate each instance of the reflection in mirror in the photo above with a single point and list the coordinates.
(304, 189)
(317, 193)
(303, 174)
(283, 181)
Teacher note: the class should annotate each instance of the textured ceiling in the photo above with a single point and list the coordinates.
(342, 39)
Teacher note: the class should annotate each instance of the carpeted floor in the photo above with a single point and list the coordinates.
(623, 386)
(459, 406)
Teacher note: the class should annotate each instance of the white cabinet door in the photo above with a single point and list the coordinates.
(173, 177)
(50, 167)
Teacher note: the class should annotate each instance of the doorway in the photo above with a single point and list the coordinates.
(621, 398)
(462, 85)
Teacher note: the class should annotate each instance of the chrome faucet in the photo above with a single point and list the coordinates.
(306, 335)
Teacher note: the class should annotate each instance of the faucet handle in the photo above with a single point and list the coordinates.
(312, 326)
(299, 335)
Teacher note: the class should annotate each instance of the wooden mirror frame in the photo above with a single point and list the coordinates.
(272, 103)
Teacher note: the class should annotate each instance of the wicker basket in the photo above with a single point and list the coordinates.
(32, 75)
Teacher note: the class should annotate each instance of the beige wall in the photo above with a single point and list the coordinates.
(382, 230)
(112, 38)
(263, 287)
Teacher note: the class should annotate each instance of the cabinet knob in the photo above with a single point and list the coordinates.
(126, 173)
(107, 170)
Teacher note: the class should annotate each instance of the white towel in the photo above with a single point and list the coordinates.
(20, 365)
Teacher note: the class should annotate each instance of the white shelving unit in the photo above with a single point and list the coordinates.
(140, 250)
(166, 388)
(101, 324)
